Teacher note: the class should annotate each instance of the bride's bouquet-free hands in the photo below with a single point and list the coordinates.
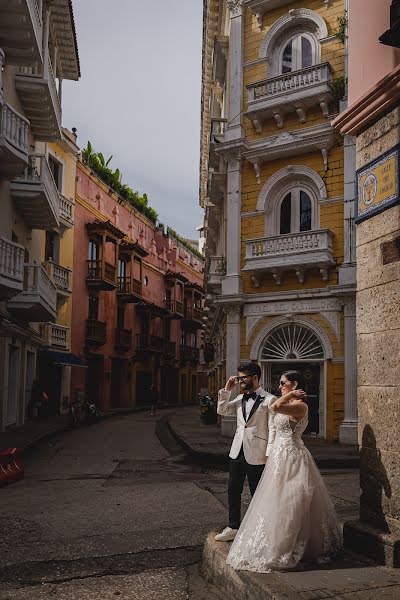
(290, 397)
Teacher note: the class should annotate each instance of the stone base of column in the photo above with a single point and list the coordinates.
(228, 426)
(382, 547)
(231, 285)
(348, 433)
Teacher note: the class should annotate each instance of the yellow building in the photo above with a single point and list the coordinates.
(57, 250)
(279, 202)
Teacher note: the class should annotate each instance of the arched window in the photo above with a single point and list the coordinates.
(298, 53)
(292, 341)
(296, 212)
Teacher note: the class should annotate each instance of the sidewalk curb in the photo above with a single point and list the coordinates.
(29, 445)
(223, 458)
(198, 455)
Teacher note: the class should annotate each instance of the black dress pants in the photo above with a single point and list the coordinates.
(239, 469)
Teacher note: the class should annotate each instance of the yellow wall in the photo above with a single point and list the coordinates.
(331, 214)
(68, 160)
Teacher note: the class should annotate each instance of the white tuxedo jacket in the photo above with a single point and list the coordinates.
(257, 434)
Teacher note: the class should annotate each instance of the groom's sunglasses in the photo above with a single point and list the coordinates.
(243, 377)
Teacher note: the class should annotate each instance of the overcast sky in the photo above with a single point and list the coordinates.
(139, 98)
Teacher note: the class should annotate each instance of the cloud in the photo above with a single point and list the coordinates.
(139, 98)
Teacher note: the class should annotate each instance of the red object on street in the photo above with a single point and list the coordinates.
(11, 466)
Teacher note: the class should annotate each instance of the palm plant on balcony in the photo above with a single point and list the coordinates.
(97, 162)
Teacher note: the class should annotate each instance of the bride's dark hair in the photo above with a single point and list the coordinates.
(295, 376)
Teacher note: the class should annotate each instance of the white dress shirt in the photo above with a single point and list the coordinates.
(250, 403)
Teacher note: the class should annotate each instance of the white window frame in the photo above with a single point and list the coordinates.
(273, 217)
(297, 50)
(295, 210)
(61, 162)
(275, 67)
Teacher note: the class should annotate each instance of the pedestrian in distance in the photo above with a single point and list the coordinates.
(253, 439)
(291, 518)
(154, 399)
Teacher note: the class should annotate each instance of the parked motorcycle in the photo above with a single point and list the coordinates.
(82, 412)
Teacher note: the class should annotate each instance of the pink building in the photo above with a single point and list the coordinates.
(137, 303)
(372, 122)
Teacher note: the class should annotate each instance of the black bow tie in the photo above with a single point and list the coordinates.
(248, 396)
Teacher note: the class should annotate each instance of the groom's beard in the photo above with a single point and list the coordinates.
(249, 387)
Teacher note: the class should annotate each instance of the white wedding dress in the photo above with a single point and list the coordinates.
(291, 517)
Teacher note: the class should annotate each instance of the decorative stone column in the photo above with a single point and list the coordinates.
(228, 424)
(234, 130)
(348, 432)
(232, 283)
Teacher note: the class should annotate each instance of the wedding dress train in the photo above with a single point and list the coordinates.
(291, 517)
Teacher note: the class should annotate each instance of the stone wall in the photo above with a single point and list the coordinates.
(378, 339)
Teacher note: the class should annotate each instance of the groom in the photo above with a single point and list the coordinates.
(254, 436)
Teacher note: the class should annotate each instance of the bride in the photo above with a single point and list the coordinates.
(291, 517)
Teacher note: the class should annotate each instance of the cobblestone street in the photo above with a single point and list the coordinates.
(118, 509)
(107, 511)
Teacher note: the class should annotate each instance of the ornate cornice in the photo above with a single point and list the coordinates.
(235, 7)
(321, 137)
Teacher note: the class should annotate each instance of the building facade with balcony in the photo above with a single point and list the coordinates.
(279, 219)
(38, 50)
(137, 303)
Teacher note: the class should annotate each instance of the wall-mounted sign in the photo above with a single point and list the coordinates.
(378, 185)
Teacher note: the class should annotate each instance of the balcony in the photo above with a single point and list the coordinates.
(37, 90)
(175, 307)
(11, 268)
(101, 275)
(169, 348)
(293, 92)
(13, 142)
(149, 343)
(21, 31)
(216, 272)
(290, 252)
(193, 317)
(55, 336)
(61, 277)
(96, 334)
(129, 289)
(123, 339)
(189, 354)
(35, 194)
(38, 300)
(66, 212)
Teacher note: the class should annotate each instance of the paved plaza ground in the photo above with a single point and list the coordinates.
(111, 511)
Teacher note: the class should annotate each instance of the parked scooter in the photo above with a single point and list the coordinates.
(82, 412)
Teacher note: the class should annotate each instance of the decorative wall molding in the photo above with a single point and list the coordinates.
(330, 308)
(293, 18)
(320, 137)
(259, 340)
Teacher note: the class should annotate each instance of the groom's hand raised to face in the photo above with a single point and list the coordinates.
(231, 383)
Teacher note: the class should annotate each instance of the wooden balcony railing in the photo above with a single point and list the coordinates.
(190, 354)
(130, 286)
(153, 343)
(175, 307)
(101, 274)
(123, 339)
(95, 332)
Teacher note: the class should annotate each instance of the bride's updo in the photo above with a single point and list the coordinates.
(293, 376)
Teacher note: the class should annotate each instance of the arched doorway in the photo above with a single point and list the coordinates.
(294, 345)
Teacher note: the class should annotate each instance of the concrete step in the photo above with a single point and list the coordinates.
(347, 574)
